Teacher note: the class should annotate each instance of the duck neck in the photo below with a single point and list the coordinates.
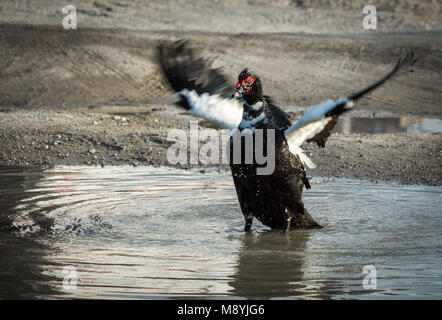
(253, 110)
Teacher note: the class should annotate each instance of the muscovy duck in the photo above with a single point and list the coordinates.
(275, 199)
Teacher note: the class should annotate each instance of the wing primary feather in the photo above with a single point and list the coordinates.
(318, 121)
(403, 64)
(197, 85)
(184, 70)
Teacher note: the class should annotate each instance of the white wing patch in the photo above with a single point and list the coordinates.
(311, 123)
(295, 138)
(302, 156)
(225, 112)
(298, 136)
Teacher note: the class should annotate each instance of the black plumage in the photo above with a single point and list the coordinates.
(184, 70)
(275, 199)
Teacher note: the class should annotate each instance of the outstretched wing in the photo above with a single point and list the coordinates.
(318, 121)
(200, 89)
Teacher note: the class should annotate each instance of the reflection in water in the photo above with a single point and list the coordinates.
(164, 233)
(14, 181)
(26, 270)
(23, 267)
(270, 264)
(388, 125)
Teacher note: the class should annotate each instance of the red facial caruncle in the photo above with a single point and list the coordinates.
(248, 82)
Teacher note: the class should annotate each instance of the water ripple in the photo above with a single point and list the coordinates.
(165, 233)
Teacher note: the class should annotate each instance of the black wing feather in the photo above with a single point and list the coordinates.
(184, 70)
(403, 64)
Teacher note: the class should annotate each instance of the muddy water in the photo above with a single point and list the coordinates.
(124, 232)
(388, 125)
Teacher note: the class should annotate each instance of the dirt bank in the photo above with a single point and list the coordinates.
(47, 137)
(50, 67)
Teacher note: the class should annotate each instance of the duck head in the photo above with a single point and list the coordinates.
(248, 87)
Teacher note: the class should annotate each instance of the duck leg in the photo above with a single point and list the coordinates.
(248, 223)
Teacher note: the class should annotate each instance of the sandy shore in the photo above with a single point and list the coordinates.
(95, 96)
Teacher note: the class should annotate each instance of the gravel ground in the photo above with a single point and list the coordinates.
(47, 137)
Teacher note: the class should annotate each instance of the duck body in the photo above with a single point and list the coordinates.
(275, 198)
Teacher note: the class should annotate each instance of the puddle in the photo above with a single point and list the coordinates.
(389, 125)
(153, 233)
(381, 121)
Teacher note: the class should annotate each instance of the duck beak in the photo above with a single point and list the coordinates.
(238, 93)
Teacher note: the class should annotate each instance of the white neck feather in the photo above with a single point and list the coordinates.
(255, 106)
